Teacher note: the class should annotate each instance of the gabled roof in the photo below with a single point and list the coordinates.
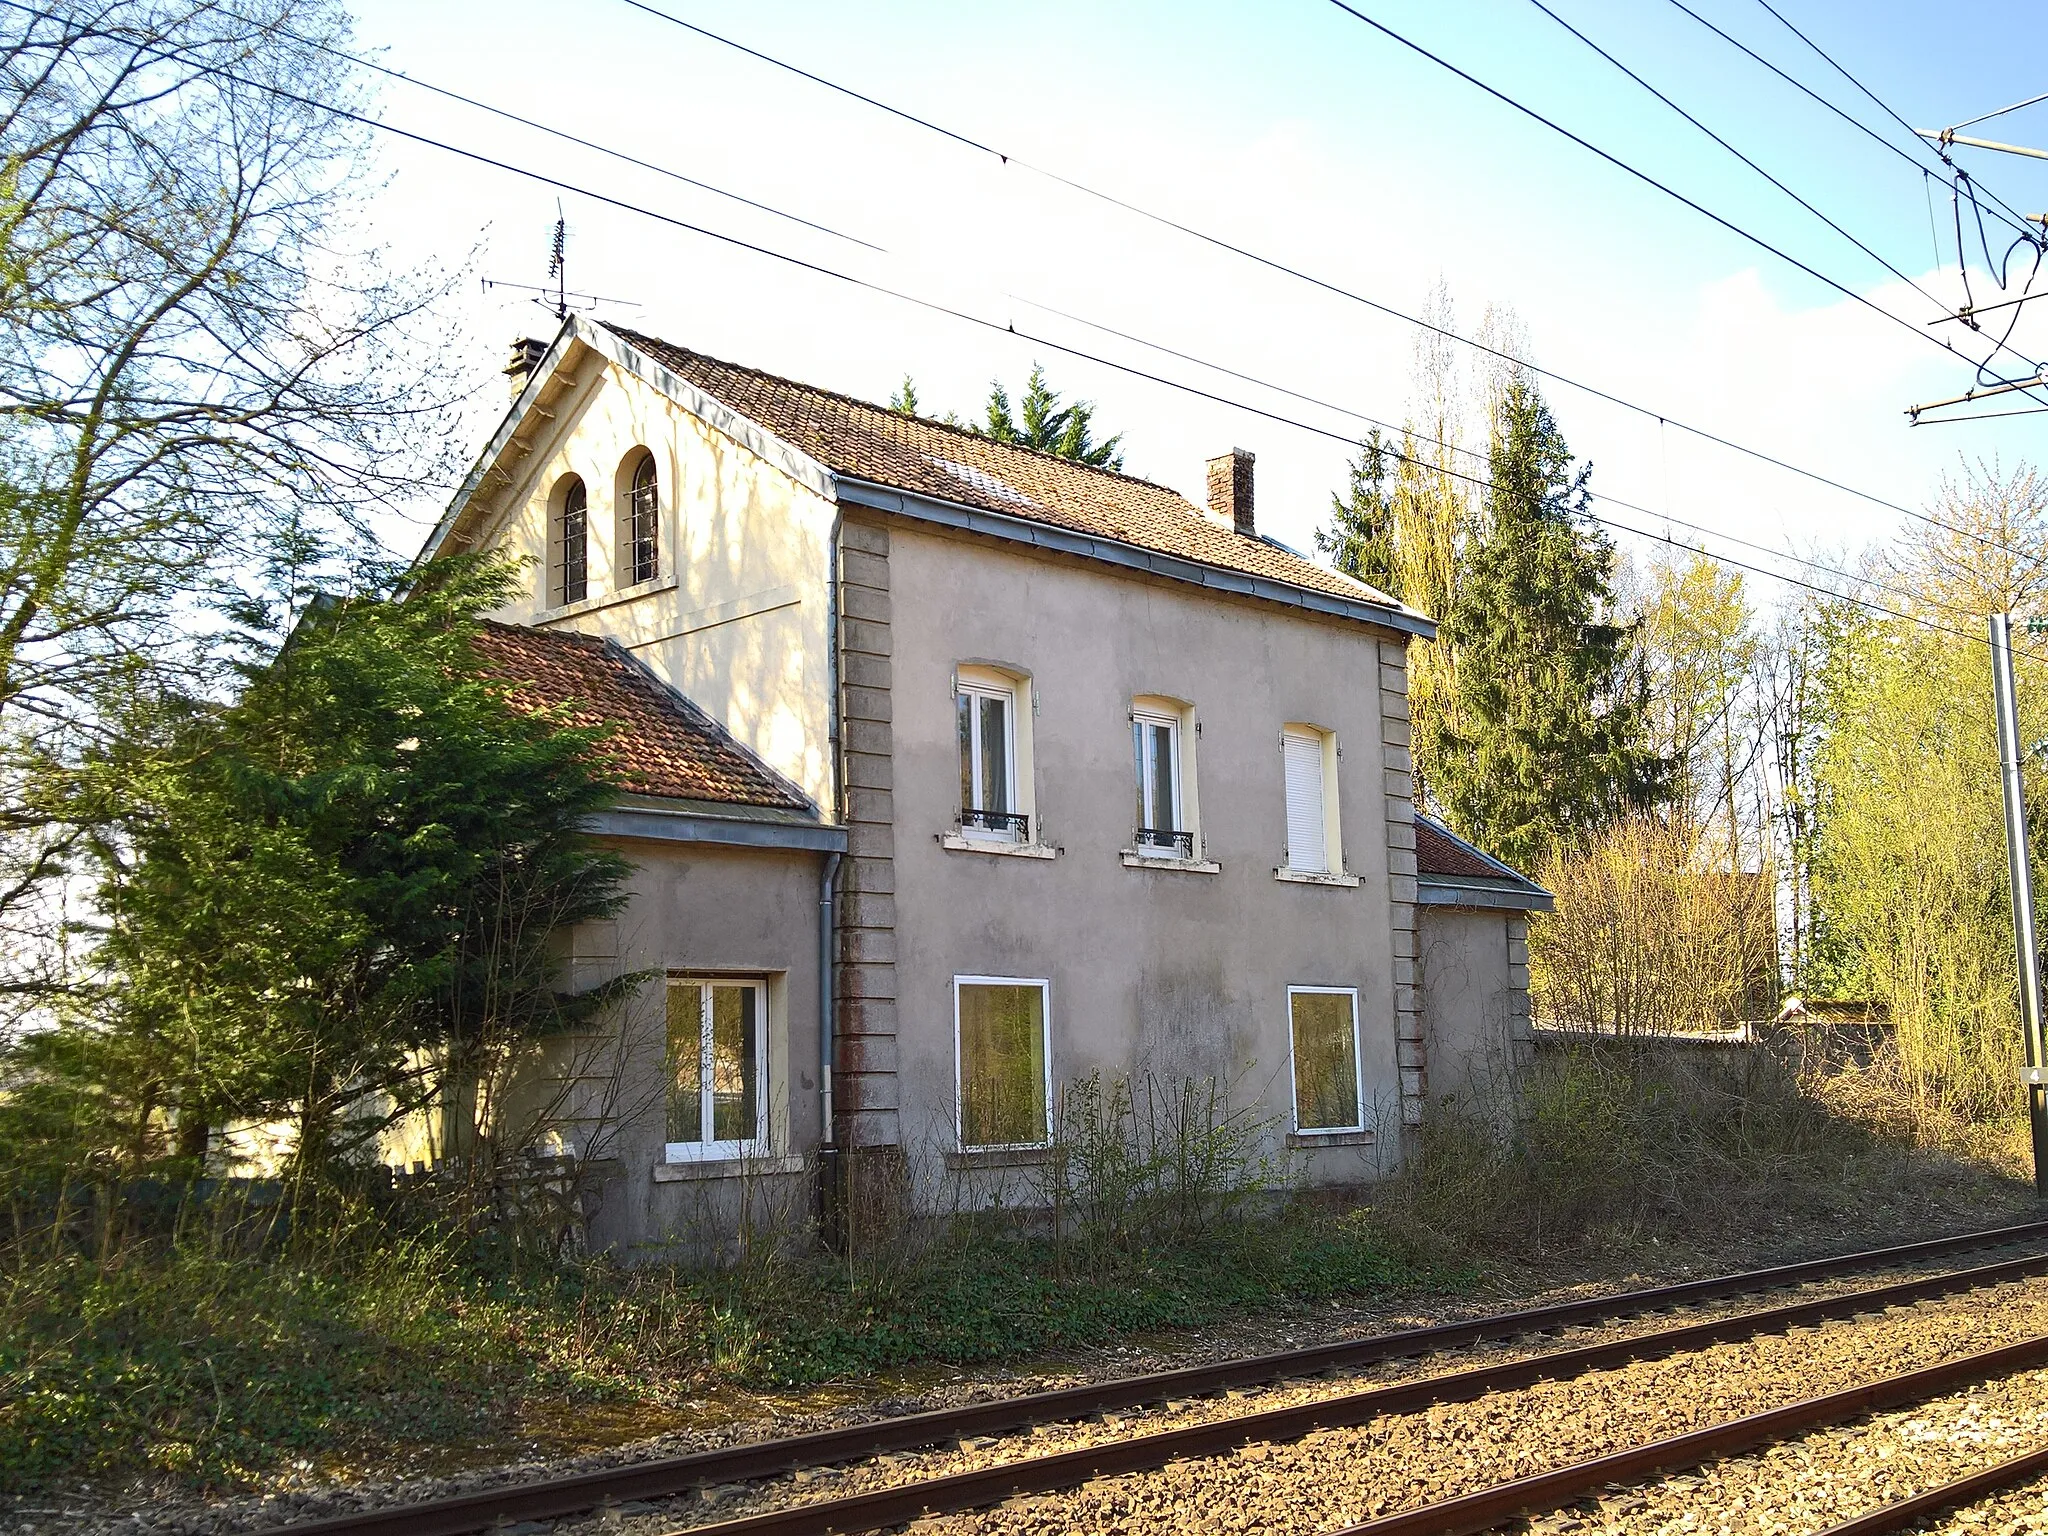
(867, 442)
(1453, 873)
(660, 743)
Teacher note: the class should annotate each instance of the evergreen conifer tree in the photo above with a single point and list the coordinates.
(1040, 421)
(1549, 736)
(1360, 540)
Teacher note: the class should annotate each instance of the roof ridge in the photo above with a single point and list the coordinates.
(969, 433)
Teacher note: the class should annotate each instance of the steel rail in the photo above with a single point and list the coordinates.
(1489, 1507)
(1964, 1490)
(1068, 1469)
(555, 1497)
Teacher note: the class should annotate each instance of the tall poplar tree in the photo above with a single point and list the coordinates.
(1549, 738)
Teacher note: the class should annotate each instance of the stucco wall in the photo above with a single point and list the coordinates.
(699, 910)
(1474, 1012)
(737, 619)
(1180, 973)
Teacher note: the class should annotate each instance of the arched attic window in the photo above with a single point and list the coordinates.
(569, 543)
(640, 520)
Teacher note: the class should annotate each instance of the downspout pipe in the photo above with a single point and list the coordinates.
(827, 876)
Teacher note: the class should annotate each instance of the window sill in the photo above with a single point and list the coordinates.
(1310, 1140)
(727, 1168)
(606, 600)
(1133, 859)
(1305, 877)
(958, 843)
(998, 1157)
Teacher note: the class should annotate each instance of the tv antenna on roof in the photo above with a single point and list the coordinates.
(556, 294)
(558, 262)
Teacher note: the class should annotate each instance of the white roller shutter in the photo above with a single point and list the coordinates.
(1303, 752)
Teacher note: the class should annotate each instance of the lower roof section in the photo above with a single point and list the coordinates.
(1450, 872)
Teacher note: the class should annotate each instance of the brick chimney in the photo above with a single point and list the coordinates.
(1230, 489)
(526, 355)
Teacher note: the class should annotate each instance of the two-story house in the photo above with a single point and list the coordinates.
(954, 772)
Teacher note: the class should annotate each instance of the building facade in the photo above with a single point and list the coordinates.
(996, 771)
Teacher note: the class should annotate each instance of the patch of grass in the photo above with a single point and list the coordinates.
(179, 1365)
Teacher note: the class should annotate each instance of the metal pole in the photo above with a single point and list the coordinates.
(2036, 1076)
(1946, 139)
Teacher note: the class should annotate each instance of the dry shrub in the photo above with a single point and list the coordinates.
(1649, 935)
(1884, 1090)
(1617, 1141)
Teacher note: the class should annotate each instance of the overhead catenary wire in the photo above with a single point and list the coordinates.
(1882, 261)
(1668, 190)
(2014, 219)
(1081, 354)
(1471, 453)
(1327, 285)
(1882, 105)
(563, 134)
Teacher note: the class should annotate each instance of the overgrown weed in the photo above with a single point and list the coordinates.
(1614, 1142)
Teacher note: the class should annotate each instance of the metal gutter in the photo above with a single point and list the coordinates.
(1443, 891)
(667, 826)
(1037, 535)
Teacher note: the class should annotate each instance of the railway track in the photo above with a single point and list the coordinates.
(555, 1498)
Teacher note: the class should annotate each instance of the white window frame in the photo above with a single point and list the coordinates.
(1143, 715)
(1333, 846)
(629, 519)
(557, 564)
(959, 1085)
(986, 683)
(707, 1151)
(1357, 1063)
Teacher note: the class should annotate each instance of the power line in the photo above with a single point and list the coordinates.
(1327, 285)
(1479, 482)
(1127, 369)
(1449, 447)
(1738, 154)
(1879, 101)
(1651, 181)
(526, 122)
(1801, 86)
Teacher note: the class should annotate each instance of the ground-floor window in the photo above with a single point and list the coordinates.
(1003, 1058)
(1328, 1095)
(717, 1104)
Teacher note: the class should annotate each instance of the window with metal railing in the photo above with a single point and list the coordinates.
(569, 546)
(1164, 827)
(985, 708)
(642, 531)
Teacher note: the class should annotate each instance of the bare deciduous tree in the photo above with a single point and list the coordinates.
(196, 365)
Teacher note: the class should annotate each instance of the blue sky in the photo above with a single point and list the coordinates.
(1291, 128)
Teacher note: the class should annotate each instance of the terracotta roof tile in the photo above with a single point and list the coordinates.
(1439, 852)
(661, 743)
(909, 453)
